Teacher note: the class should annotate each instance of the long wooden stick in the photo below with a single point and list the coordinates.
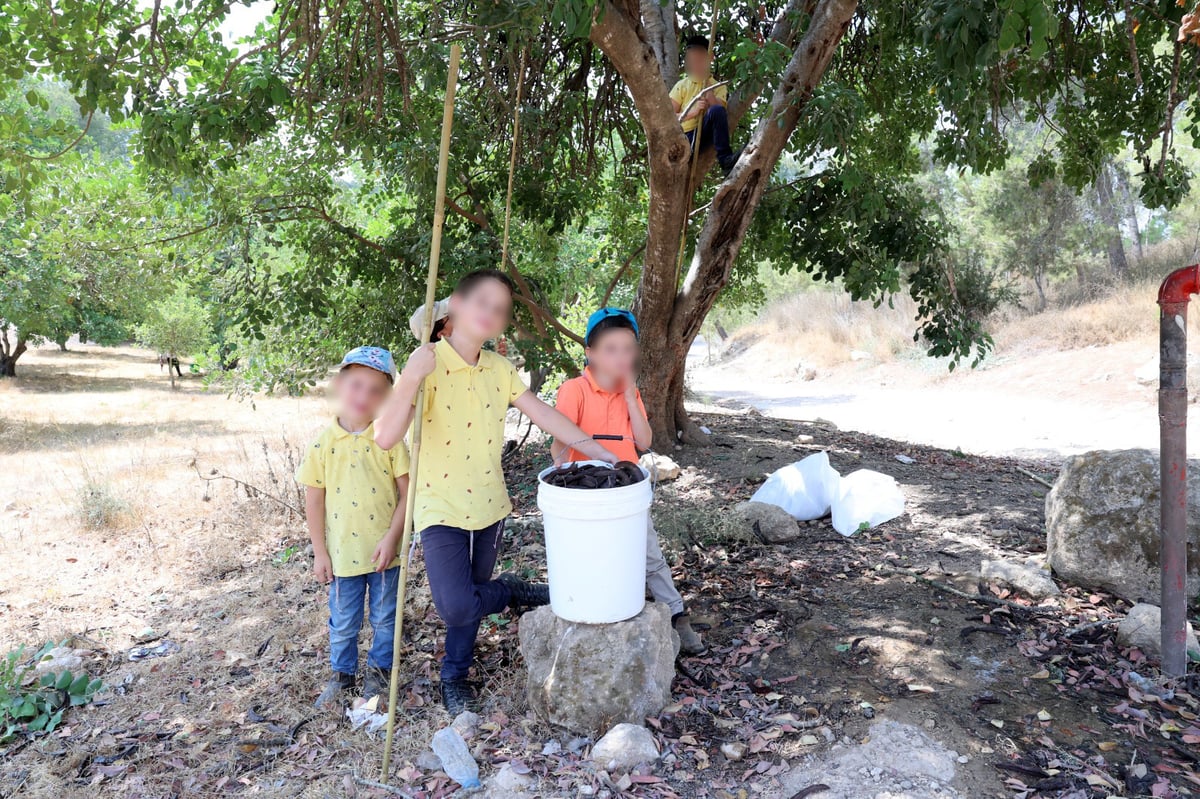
(435, 254)
(699, 132)
(512, 158)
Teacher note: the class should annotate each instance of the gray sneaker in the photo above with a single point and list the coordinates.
(689, 639)
(376, 682)
(336, 684)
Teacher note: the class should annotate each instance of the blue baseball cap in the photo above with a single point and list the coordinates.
(376, 358)
(609, 313)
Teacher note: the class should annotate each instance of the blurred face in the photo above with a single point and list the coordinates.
(614, 354)
(361, 391)
(483, 312)
(696, 61)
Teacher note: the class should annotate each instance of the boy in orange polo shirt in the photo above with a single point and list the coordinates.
(604, 402)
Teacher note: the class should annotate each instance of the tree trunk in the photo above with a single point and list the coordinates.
(1113, 240)
(669, 315)
(658, 16)
(8, 358)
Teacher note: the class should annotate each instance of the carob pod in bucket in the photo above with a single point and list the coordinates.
(592, 475)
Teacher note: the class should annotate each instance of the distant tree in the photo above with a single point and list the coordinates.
(177, 326)
(71, 261)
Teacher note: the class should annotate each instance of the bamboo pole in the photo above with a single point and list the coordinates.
(712, 43)
(512, 158)
(435, 253)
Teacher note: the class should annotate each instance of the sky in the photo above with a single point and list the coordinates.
(242, 20)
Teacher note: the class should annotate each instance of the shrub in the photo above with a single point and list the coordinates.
(98, 505)
(37, 706)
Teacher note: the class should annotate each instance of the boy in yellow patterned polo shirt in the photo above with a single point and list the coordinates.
(462, 500)
(355, 512)
(697, 76)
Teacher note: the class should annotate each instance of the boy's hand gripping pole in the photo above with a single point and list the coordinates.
(435, 253)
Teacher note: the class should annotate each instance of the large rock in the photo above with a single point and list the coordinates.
(1102, 523)
(769, 522)
(1142, 627)
(589, 677)
(623, 747)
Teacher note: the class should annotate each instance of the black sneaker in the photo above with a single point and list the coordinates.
(334, 687)
(523, 594)
(376, 682)
(727, 164)
(457, 696)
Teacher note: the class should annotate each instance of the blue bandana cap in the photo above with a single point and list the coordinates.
(609, 313)
(376, 358)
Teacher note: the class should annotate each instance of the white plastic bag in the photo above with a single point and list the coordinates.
(866, 497)
(805, 489)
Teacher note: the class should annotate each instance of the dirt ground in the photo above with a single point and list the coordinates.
(816, 647)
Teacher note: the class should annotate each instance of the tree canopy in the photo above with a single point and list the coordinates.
(304, 153)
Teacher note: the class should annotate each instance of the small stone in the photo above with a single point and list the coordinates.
(623, 747)
(905, 460)
(804, 438)
(507, 779)
(949, 475)
(661, 467)
(906, 785)
(576, 745)
(768, 522)
(929, 724)
(809, 740)
(1142, 628)
(997, 723)
(552, 747)
(827, 734)
(876, 772)
(466, 724)
(733, 751)
(428, 761)
(964, 759)
(1026, 578)
(986, 750)
(60, 658)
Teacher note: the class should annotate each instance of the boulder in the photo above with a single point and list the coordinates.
(661, 467)
(1102, 523)
(770, 523)
(624, 747)
(588, 677)
(1028, 578)
(1142, 627)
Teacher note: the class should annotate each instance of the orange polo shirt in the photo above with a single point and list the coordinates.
(598, 412)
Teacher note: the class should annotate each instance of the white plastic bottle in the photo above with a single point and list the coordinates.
(456, 758)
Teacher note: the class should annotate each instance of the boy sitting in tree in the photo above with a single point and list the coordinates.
(710, 107)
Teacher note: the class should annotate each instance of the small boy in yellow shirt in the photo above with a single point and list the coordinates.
(697, 67)
(354, 504)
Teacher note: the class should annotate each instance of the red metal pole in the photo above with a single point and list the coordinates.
(1173, 297)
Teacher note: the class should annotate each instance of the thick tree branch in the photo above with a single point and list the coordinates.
(724, 230)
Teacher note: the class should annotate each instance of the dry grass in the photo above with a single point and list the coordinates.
(824, 328)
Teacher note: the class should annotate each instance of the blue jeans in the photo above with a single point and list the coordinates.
(346, 599)
(714, 132)
(459, 564)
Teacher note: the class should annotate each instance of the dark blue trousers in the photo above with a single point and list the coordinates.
(460, 564)
(715, 133)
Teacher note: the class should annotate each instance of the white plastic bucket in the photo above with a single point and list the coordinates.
(596, 549)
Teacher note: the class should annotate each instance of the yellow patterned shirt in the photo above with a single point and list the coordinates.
(359, 478)
(460, 482)
(687, 88)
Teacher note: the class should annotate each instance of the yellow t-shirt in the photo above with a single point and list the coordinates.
(359, 478)
(687, 88)
(461, 480)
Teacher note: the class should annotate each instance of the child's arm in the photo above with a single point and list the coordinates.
(385, 551)
(643, 436)
(314, 514)
(393, 423)
(562, 428)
